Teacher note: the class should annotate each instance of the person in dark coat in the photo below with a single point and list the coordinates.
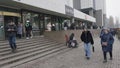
(87, 38)
(72, 41)
(28, 28)
(107, 41)
(53, 27)
(65, 25)
(11, 31)
(72, 26)
(112, 31)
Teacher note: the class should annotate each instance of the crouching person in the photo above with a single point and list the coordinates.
(72, 41)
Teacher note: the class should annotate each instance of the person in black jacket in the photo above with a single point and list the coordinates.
(87, 38)
(28, 28)
(11, 31)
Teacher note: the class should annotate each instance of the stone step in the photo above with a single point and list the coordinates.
(44, 55)
(18, 53)
(27, 48)
(23, 41)
(25, 56)
(23, 44)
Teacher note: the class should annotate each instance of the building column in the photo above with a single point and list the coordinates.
(72, 20)
(91, 13)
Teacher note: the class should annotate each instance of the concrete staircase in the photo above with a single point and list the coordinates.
(28, 50)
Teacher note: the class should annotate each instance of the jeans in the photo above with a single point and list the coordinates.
(87, 47)
(12, 41)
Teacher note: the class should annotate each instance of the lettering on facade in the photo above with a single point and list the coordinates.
(69, 10)
(86, 17)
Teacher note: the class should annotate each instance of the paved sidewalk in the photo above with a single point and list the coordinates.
(75, 58)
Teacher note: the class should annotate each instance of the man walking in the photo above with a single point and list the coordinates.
(87, 38)
(11, 30)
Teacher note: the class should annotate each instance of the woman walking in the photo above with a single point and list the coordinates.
(107, 44)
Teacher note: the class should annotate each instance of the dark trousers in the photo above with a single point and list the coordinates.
(12, 42)
(28, 33)
(105, 55)
(20, 36)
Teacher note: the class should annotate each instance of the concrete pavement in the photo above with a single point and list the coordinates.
(75, 58)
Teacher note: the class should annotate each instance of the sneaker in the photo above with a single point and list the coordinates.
(88, 58)
(105, 61)
(27, 38)
(13, 50)
(111, 58)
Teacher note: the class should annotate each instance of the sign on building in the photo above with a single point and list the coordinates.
(69, 10)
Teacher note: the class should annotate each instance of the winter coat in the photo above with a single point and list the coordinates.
(28, 27)
(86, 37)
(71, 36)
(13, 32)
(109, 39)
(65, 24)
(19, 29)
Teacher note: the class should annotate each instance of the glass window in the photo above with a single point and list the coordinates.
(48, 23)
(34, 20)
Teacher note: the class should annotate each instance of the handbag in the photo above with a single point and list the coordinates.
(104, 43)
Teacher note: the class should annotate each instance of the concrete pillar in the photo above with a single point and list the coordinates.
(91, 13)
(72, 20)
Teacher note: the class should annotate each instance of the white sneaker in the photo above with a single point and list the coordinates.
(27, 38)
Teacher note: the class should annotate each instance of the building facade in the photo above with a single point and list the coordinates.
(95, 8)
(100, 6)
(40, 13)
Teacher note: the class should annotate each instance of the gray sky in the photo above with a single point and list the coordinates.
(113, 8)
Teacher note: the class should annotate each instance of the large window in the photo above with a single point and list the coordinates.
(48, 23)
(33, 18)
(34, 21)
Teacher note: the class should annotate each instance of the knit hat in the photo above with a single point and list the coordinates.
(105, 28)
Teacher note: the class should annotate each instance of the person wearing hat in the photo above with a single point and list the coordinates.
(106, 42)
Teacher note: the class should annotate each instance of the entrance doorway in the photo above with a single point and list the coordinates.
(7, 19)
